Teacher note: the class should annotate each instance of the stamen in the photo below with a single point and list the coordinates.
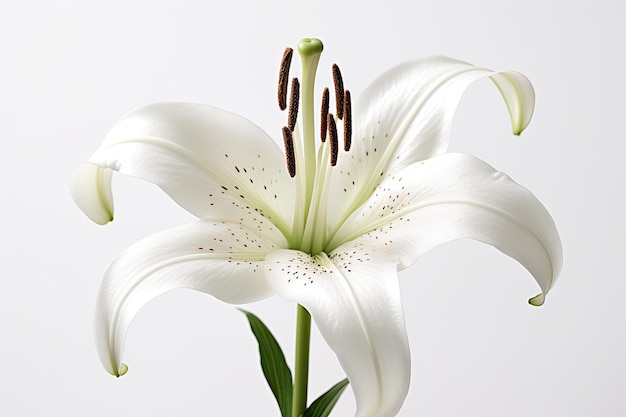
(290, 153)
(294, 100)
(283, 77)
(347, 121)
(324, 118)
(338, 91)
(334, 143)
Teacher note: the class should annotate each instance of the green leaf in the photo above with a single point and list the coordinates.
(275, 368)
(325, 403)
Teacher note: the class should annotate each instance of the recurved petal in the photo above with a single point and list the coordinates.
(354, 298)
(219, 258)
(90, 187)
(405, 116)
(456, 196)
(205, 158)
(413, 104)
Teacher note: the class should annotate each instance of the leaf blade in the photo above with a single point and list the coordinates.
(325, 403)
(275, 368)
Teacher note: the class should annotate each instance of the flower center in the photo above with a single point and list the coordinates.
(310, 159)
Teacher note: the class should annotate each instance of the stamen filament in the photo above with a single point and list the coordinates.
(299, 218)
(283, 77)
(321, 231)
(347, 121)
(292, 116)
(312, 239)
(338, 80)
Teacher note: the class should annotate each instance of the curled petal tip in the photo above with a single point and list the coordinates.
(121, 371)
(90, 186)
(519, 96)
(517, 130)
(537, 300)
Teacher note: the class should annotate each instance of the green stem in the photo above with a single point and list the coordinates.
(310, 51)
(301, 377)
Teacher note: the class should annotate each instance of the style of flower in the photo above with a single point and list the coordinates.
(329, 229)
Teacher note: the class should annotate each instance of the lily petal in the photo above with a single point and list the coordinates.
(405, 116)
(219, 258)
(456, 196)
(354, 298)
(90, 186)
(206, 159)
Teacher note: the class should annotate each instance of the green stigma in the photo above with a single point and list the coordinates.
(310, 47)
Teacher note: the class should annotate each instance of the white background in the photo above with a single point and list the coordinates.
(70, 69)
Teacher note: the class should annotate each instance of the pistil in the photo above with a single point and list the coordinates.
(310, 51)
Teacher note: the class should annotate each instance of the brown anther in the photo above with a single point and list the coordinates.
(292, 116)
(290, 153)
(324, 118)
(347, 121)
(338, 91)
(283, 77)
(334, 142)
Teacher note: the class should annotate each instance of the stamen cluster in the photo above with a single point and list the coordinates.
(328, 125)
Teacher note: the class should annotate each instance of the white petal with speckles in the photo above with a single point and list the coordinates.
(456, 196)
(206, 159)
(219, 258)
(405, 116)
(354, 298)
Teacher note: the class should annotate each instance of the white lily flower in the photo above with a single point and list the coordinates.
(333, 237)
